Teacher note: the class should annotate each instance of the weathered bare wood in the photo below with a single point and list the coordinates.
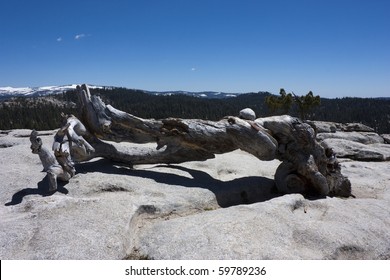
(68, 144)
(306, 167)
(55, 169)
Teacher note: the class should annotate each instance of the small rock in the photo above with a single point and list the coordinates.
(386, 137)
(247, 114)
(357, 127)
(323, 127)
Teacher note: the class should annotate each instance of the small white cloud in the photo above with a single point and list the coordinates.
(59, 39)
(79, 36)
(193, 69)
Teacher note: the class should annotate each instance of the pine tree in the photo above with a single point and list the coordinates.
(280, 103)
(306, 103)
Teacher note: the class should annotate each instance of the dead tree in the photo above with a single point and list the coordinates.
(58, 165)
(68, 144)
(306, 165)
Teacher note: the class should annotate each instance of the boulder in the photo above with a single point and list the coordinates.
(247, 114)
(328, 127)
(358, 151)
(353, 140)
(359, 137)
(356, 127)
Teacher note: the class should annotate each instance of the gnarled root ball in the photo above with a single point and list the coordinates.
(289, 180)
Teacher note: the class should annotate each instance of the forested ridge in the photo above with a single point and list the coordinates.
(43, 113)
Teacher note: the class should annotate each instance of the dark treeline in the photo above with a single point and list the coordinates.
(374, 112)
(41, 113)
(180, 106)
(44, 113)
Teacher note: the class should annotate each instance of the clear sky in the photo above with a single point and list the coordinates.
(334, 48)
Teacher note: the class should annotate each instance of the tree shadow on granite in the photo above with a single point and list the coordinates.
(42, 190)
(244, 190)
(103, 165)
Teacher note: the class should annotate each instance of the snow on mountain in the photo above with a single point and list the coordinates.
(36, 91)
(202, 94)
(6, 92)
(15, 91)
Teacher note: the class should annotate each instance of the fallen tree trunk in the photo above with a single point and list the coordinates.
(306, 165)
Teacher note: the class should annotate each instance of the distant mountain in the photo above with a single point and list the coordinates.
(44, 113)
(35, 91)
(7, 92)
(202, 94)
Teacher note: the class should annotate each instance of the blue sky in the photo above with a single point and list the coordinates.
(334, 48)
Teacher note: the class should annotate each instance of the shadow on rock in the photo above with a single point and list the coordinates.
(103, 166)
(245, 190)
(42, 189)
